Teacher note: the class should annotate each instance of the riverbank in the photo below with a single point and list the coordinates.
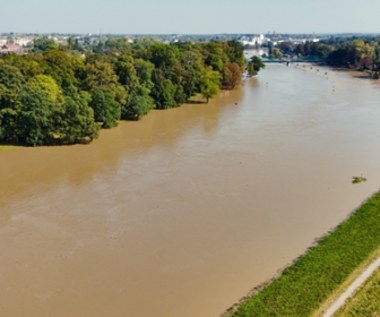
(6, 147)
(322, 68)
(305, 285)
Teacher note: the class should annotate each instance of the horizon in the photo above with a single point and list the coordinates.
(191, 34)
(198, 17)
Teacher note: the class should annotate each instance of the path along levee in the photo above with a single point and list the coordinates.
(349, 292)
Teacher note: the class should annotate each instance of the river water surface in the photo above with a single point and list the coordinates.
(182, 213)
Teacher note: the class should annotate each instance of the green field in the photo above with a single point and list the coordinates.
(314, 277)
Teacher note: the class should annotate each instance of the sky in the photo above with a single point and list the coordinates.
(190, 16)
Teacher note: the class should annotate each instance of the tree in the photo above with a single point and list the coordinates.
(276, 53)
(73, 44)
(76, 120)
(286, 47)
(235, 53)
(163, 91)
(341, 57)
(54, 95)
(9, 98)
(210, 83)
(106, 110)
(34, 124)
(364, 54)
(192, 64)
(41, 99)
(355, 53)
(163, 56)
(36, 111)
(27, 65)
(43, 44)
(46, 85)
(232, 74)
(255, 64)
(137, 106)
(215, 56)
(11, 77)
(144, 71)
(107, 94)
(64, 67)
(138, 102)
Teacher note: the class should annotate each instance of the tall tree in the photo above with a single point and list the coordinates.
(107, 94)
(210, 85)
(232, 75)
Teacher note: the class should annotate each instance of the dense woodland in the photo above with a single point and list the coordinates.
(359, 53)
(65, 94)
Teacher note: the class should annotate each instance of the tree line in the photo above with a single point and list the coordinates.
(358, 53)
(59, 94)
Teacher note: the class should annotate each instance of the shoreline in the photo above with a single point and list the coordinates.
(257, 289)
(355, 73)
(238, 309)
(196, 100)
(323, 70)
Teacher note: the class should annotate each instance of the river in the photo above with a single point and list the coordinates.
(182, 213)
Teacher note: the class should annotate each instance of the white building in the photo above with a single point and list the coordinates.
(254, 40)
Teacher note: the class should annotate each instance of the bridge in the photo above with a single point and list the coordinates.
(312, 59)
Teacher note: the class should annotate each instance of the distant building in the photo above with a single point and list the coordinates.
(11, 45)
(23, 41)
(10, 48)
(253, 40)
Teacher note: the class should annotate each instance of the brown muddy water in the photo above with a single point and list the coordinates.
(183, 213)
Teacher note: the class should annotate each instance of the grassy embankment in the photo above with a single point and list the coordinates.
(366, 301)
(304, 286)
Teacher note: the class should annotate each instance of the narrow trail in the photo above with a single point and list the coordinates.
(359, 281)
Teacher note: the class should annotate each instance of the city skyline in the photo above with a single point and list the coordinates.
(195, 17)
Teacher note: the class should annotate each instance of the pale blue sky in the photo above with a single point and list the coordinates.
(190, 16)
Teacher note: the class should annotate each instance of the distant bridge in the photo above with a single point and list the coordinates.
(294, 60)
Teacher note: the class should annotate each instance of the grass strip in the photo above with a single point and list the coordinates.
(343, 287)
(309, 281)
(6, 147)
(366, 301)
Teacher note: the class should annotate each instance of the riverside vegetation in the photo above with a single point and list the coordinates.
(64, 94)
(352, 52)
(305, 285)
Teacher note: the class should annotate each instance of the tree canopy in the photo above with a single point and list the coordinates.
(60, 94)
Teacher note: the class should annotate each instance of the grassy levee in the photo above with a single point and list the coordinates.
(308, 282)
(366, 302)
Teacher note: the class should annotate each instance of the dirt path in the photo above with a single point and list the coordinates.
(359, 281)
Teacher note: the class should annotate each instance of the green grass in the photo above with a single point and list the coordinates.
(306, 284)
(6, 147)
(366, 302)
